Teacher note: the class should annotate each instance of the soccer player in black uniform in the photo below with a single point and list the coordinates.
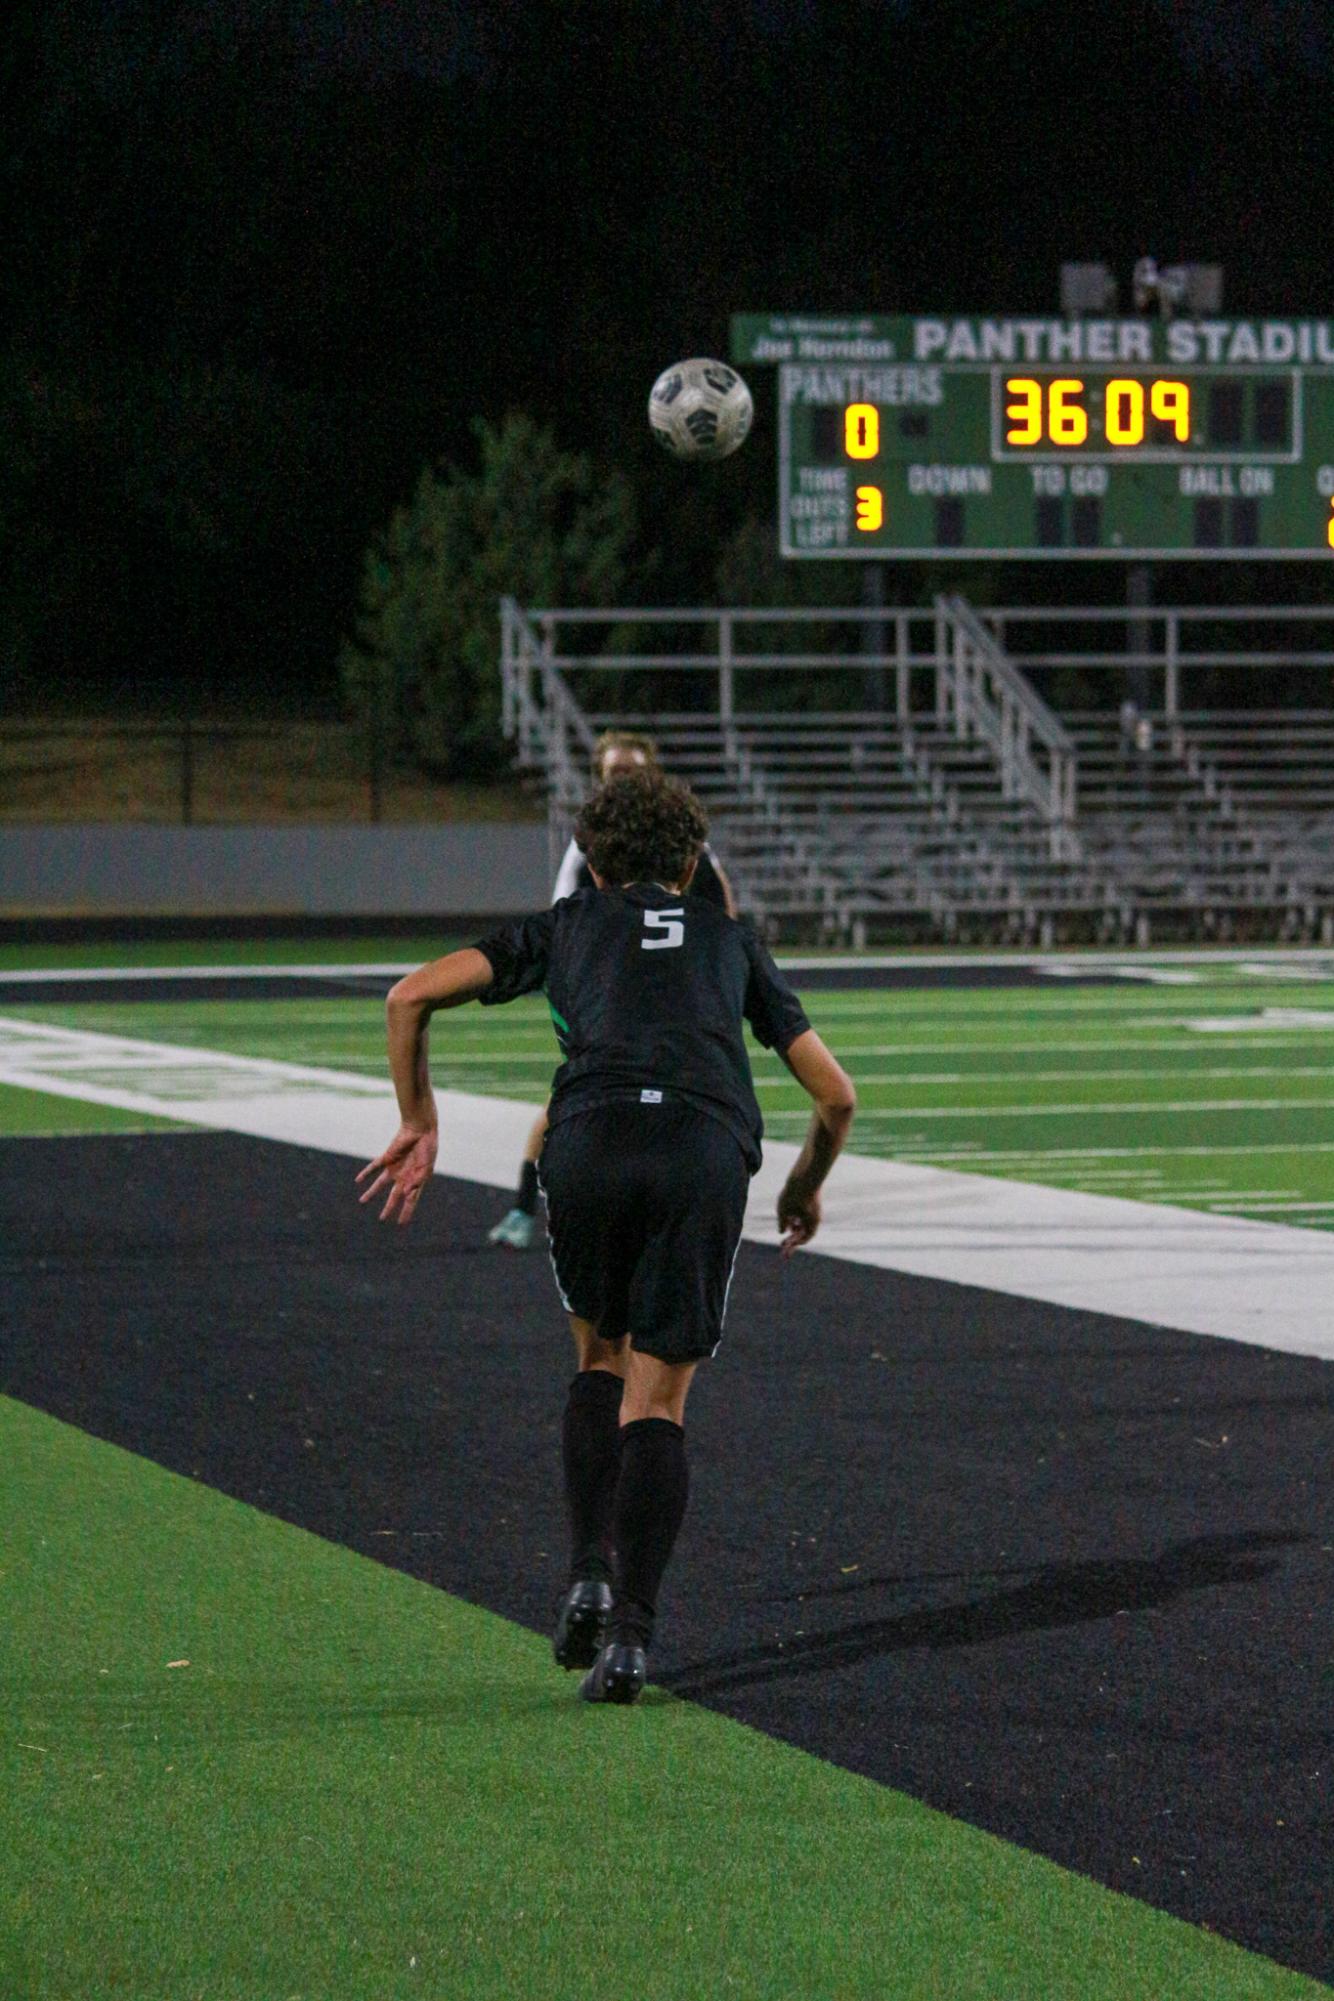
(615, 751)
(654, 1134)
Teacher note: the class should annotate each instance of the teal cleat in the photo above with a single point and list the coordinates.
(514, 1229)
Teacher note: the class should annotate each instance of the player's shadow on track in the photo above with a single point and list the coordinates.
(1060, 1594)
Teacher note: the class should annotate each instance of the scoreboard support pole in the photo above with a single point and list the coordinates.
(1139, 597)
(875, 684)
(902, 691)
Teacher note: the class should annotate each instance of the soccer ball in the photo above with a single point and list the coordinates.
(700, 409)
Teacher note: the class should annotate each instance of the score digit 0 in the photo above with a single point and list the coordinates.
(861, 431)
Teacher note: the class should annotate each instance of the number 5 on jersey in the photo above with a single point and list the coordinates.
(666, 928)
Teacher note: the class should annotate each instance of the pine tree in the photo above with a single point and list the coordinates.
(534, 522)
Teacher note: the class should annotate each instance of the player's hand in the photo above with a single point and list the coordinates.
(405, 1167)
(798, 1216)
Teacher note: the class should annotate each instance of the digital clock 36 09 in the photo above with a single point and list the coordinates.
(1206, 413)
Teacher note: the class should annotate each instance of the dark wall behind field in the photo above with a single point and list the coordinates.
(86, 873)
(267, 257)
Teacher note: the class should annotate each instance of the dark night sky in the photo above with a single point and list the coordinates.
(268, 257)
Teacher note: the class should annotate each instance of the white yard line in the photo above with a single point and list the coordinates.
(1267, 1283)
(1021, 1155)
(1216, 1194)
(866, 1078)
(1261, 1201)
(1277, 1018)
(1001, 1047)
(1136, 1071)
(1084, 1108)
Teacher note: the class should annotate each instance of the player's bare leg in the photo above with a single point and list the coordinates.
(591, 1454)
(595, 1353)
(650, 1503)
(655, 1389)
(516, 1226)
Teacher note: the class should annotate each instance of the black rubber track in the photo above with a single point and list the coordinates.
(125, 989)
(1066, 1577)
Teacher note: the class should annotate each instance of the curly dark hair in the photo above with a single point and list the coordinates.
(642, 827)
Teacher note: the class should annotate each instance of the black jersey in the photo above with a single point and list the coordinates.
(648, 991)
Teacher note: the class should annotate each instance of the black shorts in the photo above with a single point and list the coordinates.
(644, 1208)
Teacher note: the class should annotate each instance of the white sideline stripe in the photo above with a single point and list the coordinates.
(344, 969)
(1158, 976)
(1067, 966)
(1267, 1283)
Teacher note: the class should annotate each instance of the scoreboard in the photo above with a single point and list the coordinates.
(1066, 438)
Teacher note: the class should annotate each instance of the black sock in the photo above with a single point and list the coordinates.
(591, 1447)
(526, 1199)
(651, 1496)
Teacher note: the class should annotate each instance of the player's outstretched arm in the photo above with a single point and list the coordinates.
(407, 1163)
(835, 1101)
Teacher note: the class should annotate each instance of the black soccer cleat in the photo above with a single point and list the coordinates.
(581, 1623)
(617, 1675)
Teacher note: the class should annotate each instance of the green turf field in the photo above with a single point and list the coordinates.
(245, 1765)
(39, 1114)
(115, 954)
(1218, 1094)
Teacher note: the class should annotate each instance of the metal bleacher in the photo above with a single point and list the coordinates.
(894, 774)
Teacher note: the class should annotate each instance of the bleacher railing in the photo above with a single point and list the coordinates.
(974, 686)
(979, 691)
(922, 733)
(539, 711)
(1165, 650)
